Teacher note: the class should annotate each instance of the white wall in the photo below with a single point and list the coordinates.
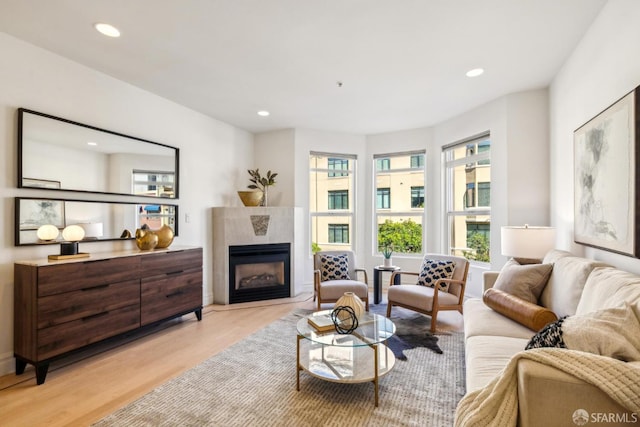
(603, 67)
(214, 156)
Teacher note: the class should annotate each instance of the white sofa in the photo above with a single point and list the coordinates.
(546, 396)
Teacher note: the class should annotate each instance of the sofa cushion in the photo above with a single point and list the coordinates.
(486, 356)
(608, 287)
(524, 281)
(434, 270)
(524, 312)
(481, 320)
(334, 267)
(554, 255)
(419, 296)
(564, 289)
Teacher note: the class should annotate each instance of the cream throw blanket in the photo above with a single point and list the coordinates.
(497, 403)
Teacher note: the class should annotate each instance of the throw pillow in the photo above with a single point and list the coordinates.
(433, 270)
(612, 332)
(524, 312)
(549, 336)
(334, 267)
(524, 281)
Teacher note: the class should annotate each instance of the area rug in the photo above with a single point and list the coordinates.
(253, 383)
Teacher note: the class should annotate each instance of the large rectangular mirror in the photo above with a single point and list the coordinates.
(60, 154)
(100, 220)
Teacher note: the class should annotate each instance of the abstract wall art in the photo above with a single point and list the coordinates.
(606, 191)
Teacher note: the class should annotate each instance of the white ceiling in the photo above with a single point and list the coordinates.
(402, 62)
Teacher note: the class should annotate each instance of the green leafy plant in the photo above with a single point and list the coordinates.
(260, 182)
(387, 251)
(315, 247)
(404, 237)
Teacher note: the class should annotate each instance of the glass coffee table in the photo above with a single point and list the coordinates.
(357, 357)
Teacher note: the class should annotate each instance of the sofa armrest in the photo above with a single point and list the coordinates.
(489, 279)
(559, 394)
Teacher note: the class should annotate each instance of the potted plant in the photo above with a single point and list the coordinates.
(262, 183)
(387, 251)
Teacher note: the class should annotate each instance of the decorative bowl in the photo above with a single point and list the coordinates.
(250, 198)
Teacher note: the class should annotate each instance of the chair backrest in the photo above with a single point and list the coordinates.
(459, 273)
(351, 259)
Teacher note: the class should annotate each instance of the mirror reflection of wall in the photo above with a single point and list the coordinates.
(100, 220)
(60, 154)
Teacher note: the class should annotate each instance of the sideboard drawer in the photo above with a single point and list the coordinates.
(170, 262)
(62, 308)
(78, 333)
(56, 279)
(163, 296)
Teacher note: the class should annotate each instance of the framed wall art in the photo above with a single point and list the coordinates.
(605, 184)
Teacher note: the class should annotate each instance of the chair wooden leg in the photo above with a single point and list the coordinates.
(366, 305)
(434, 316)
(389, 305)
(319, 304)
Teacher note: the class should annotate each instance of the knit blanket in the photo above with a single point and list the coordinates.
(496, 405)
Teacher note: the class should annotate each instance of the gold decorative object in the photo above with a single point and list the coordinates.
(146, 239)
(165, 236)
(349, 299)
(251, 198)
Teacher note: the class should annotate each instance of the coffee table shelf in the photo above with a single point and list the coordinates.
(360, 356)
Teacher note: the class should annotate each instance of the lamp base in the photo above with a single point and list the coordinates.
(68, 248)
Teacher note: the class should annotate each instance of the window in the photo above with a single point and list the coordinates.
(331, 200)
(383, 198)
(417, 197)
(339, 199)
(383, 164)
(398, 220)
(153, 183)
(417, 161)
(468, 197)
(337, 165)
(338, 233)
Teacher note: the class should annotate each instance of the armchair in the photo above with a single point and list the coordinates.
(438, 293)
(334, 274)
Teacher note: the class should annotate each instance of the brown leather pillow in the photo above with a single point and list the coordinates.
(524, 312)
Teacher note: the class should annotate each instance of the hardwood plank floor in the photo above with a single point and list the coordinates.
(90, 385)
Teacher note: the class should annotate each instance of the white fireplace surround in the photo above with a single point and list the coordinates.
(237, 226)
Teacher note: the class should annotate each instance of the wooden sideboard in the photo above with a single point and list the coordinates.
(63, 306)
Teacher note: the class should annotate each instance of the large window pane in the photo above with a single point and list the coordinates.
(399, 192)
(331, 200)
(468, 192)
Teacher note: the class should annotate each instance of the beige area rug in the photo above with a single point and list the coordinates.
(253, 383)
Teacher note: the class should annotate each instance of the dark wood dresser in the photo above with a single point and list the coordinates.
(61, 306)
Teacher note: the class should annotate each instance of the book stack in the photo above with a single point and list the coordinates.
(321, 322)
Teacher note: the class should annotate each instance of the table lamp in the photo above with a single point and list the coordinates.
(527, 242)
(72, 234)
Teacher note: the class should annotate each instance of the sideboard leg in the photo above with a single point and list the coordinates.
(41, 372)
(20, 366)
(198, 313)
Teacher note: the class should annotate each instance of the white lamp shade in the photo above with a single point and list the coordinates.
(92, 229)
(73, 233)
(527, 242)
(47, 232)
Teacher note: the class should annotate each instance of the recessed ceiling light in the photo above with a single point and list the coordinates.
(107, 30)
(475, 72)
(263, 113)
(92, 143)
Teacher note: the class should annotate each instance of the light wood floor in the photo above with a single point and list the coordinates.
(86, 387)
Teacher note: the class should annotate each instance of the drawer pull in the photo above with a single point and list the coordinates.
(173, 273)
(175, 294)
(95, 287)
(94, 316)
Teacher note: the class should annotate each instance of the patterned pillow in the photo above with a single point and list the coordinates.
(549, 336)
(334, 267)
(433, 270)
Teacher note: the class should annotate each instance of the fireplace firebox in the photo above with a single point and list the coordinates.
(259, 272)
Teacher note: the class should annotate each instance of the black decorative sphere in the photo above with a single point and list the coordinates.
(345, 320)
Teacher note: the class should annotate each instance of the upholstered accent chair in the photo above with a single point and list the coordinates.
(440, 286)
(335, 273)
